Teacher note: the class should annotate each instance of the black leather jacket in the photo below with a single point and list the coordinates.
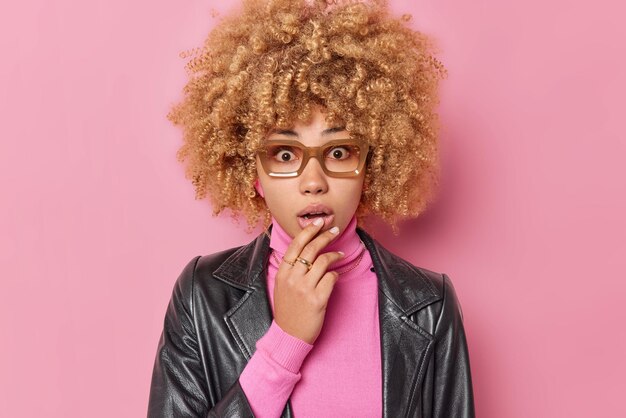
(220, 308)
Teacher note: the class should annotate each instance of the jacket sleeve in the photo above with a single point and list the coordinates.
(179, 386)
(453, 393)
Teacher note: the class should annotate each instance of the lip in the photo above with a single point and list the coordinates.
(328, 218)
(315, 208)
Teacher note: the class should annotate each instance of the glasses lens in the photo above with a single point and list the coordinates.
(342, 158)
(282, 158)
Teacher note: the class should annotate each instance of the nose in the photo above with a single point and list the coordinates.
(313, 180)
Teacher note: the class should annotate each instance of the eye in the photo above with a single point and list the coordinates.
(339, 153)
(284, 155)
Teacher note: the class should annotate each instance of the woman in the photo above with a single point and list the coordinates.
(316, 116)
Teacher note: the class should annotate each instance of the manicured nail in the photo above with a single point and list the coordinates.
(334, 230)
(318, 222)
(341, 252)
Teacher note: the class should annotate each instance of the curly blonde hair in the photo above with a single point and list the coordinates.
(271, 63)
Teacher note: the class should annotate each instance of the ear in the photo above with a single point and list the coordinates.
(259, 188)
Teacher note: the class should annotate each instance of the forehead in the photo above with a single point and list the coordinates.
(313, 132)
(297, 133)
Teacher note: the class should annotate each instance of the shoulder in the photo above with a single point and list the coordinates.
(439, 282)
(443, 311)
(403, 270)
(207, 264)
(198, 272)
(447, 310)
(415, 289)
(448, 303)
(225, 275)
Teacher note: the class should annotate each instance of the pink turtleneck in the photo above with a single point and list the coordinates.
(340, 375)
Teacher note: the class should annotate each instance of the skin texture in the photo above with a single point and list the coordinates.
(285, 197)
(301, 295)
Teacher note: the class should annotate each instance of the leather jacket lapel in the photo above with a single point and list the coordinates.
(402, 291)
(404, 345)
(251, 317)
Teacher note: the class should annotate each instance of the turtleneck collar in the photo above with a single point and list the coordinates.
(347, 242)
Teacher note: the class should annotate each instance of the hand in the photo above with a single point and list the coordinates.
(301, 295)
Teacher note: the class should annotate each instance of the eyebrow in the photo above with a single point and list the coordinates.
(289, 132)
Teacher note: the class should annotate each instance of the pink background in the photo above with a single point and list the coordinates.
(97, 219)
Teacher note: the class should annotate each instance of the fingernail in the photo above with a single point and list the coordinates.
(341, 252)
(334, 230)
(318, 222)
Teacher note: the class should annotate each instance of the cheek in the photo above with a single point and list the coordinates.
(279, 195)
(351, 192)
(358, 192)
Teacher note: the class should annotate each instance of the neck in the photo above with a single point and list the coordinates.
(347, 242)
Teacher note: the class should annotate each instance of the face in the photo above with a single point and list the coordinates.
(297, 201)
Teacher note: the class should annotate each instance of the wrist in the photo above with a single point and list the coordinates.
(284, 348)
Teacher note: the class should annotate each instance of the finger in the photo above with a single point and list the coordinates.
(327, 284)
(302, 238)
(313, 248)
(284, 265)
(300, 241)
(293, 250)
(320, 267)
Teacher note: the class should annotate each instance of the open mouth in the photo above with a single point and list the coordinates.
(314, 215)
(308, 218)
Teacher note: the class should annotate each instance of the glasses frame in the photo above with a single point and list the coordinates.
(318, 153)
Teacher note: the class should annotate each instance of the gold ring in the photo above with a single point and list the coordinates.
(307, 263)
(291, 263)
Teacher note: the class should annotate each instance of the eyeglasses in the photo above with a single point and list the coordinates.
(338, 158)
